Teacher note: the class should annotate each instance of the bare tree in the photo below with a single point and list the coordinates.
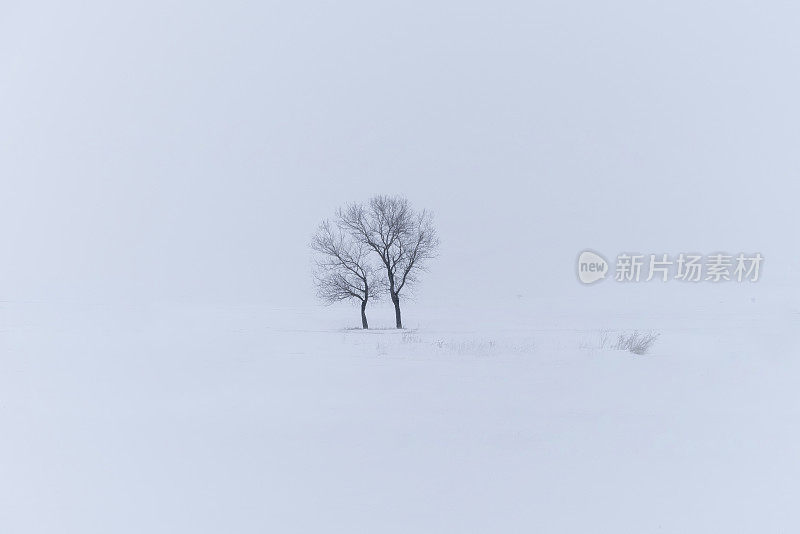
(343, 270)
(404, 240)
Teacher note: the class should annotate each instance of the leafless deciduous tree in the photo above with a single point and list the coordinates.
(343, 270)
(403, 239)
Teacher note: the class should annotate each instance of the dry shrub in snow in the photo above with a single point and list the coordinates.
(636, 342)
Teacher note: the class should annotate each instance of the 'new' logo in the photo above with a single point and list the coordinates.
(591, 267)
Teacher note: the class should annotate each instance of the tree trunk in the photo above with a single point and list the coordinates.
(397, 318)
(364, 324)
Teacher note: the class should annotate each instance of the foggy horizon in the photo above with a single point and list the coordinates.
(160, 152)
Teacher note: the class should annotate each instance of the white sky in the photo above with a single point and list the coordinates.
(174, 150)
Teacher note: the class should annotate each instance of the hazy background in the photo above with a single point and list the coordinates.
(187, 150)
(163, 166)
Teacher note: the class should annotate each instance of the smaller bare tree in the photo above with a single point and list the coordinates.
(343, 270)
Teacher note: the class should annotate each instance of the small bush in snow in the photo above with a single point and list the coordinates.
(637, 342)
(410, 337)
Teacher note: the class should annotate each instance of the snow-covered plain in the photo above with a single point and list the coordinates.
(503, 418)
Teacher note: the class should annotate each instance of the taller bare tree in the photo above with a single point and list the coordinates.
(343, 270)
(403, 240)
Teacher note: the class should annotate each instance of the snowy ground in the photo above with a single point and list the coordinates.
(166, 418)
